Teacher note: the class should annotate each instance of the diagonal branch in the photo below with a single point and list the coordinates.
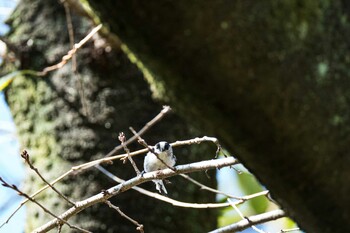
(139, 226)
(244, 224)
(59, 221)
(122, 140)
(244, 217)
(113, 191)
(148, 125)
(204, 187)
(106, 159)
(71, 52)
(164, 198)
(165, 110)
(26, 157)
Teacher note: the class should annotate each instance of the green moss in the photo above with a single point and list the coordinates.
(58, 134)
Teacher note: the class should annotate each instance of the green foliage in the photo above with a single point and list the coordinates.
(249, 185)
(227, 217)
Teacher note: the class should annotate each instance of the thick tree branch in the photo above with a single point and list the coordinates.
(252, 94)
(105, 195)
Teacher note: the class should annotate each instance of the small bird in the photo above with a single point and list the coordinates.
(152, 163)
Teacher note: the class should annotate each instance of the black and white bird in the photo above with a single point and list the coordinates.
(152, 163)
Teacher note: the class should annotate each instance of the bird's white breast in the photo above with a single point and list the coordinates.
(152, 163)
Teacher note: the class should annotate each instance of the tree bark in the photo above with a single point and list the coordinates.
(53, 127)
(270, 78)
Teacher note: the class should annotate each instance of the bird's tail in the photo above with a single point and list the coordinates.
(160, 186)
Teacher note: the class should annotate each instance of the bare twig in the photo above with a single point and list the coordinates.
(122, 140)
(108, 159)
(244, 224)
(148, 125)
(59, 228)
(72, 170)
(254, 195)
(142, 151)
(204, 187)
(164, 198)
(34, 194)
(143, 142)
(71, 52)
(26, 157)
(290, 230)
(199, 141)
(74, 57)
(243, 217)
(139, 226)
(64, 59)
(161, 174)
(70, 31)
(57, 220)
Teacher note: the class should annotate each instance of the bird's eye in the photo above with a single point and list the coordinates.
(166, 146)
(157, 146)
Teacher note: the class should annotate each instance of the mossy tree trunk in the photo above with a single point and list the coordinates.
(270, 78)
(57, 133)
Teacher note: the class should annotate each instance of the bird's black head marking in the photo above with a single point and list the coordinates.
(162, 146)
(166, 146)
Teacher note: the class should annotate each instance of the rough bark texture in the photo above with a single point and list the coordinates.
(57, 135)
(270, 78)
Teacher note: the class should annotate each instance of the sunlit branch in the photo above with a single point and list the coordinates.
(162, 174)
(257, 219)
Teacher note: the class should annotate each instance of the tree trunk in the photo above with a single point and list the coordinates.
(59, 132)
(270, 78)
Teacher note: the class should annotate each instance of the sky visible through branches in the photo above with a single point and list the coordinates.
(11, 166)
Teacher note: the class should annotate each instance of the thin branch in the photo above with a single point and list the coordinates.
(58, 220)
(243, 217)
(33, 195)
(26, 157)
(290, 230)
(106, 159)
(204, 187)
(199, 141)
(254, 195)
(74, 57)
(122, 140)
(71, 52)
(164, 198)
(142, 151)
(115, 190)
(70, 31)
(59, 229)
(257, 219)
(139, 226)
(148, 125)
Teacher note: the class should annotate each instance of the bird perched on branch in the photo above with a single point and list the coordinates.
(162, 158)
